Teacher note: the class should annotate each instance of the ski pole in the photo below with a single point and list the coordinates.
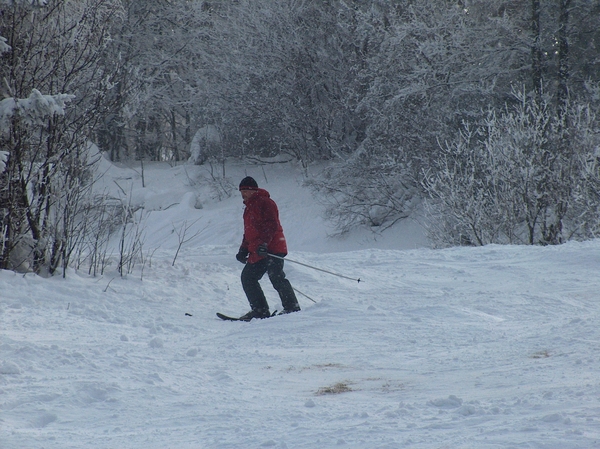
(314, 268)
(304, 294)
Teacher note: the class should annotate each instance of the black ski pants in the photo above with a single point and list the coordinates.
(253, 272)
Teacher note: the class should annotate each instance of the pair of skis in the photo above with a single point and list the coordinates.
(243, 318)
(232, 318)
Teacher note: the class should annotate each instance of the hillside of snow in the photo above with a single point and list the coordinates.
(491, 347)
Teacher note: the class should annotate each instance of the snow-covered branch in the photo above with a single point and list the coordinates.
(24, 2)
(3, 159)
(34, 110)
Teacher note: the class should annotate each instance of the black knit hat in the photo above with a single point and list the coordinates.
(248, 183)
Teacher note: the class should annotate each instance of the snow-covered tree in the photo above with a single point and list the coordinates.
(52, 59)
(433, 65)
(154, 66)
(428, 65)
(279, 76)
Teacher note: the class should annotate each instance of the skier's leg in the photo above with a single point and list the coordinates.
(282, 285)
(251, 274)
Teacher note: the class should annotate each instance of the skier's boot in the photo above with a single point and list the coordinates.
(286, 311)
(259, 313)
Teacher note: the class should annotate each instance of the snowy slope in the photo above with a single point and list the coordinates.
(493, 347)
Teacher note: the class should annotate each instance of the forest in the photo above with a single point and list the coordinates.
(483, 114)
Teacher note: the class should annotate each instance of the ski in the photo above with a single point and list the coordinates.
(228, 318)
(231, 318)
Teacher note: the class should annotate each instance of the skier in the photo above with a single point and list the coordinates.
(263, 234)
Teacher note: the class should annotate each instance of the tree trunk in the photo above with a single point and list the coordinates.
(536, 50)
(562, 94)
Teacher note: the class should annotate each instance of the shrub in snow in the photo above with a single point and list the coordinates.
(370, 189)
(206, 143)
(526, 175)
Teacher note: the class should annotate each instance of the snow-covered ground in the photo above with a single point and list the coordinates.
(493, 347)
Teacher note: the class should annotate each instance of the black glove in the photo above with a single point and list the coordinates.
(262, 250)
(242, 255)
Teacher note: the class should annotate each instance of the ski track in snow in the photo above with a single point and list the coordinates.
(493, 347)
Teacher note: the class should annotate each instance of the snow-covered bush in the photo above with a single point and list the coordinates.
(19, 117)
(367, 190)
(526, 175)
(206, 143)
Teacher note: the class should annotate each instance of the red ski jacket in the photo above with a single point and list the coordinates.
(261, 225)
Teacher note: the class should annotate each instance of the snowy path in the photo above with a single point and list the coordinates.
(491, 347)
